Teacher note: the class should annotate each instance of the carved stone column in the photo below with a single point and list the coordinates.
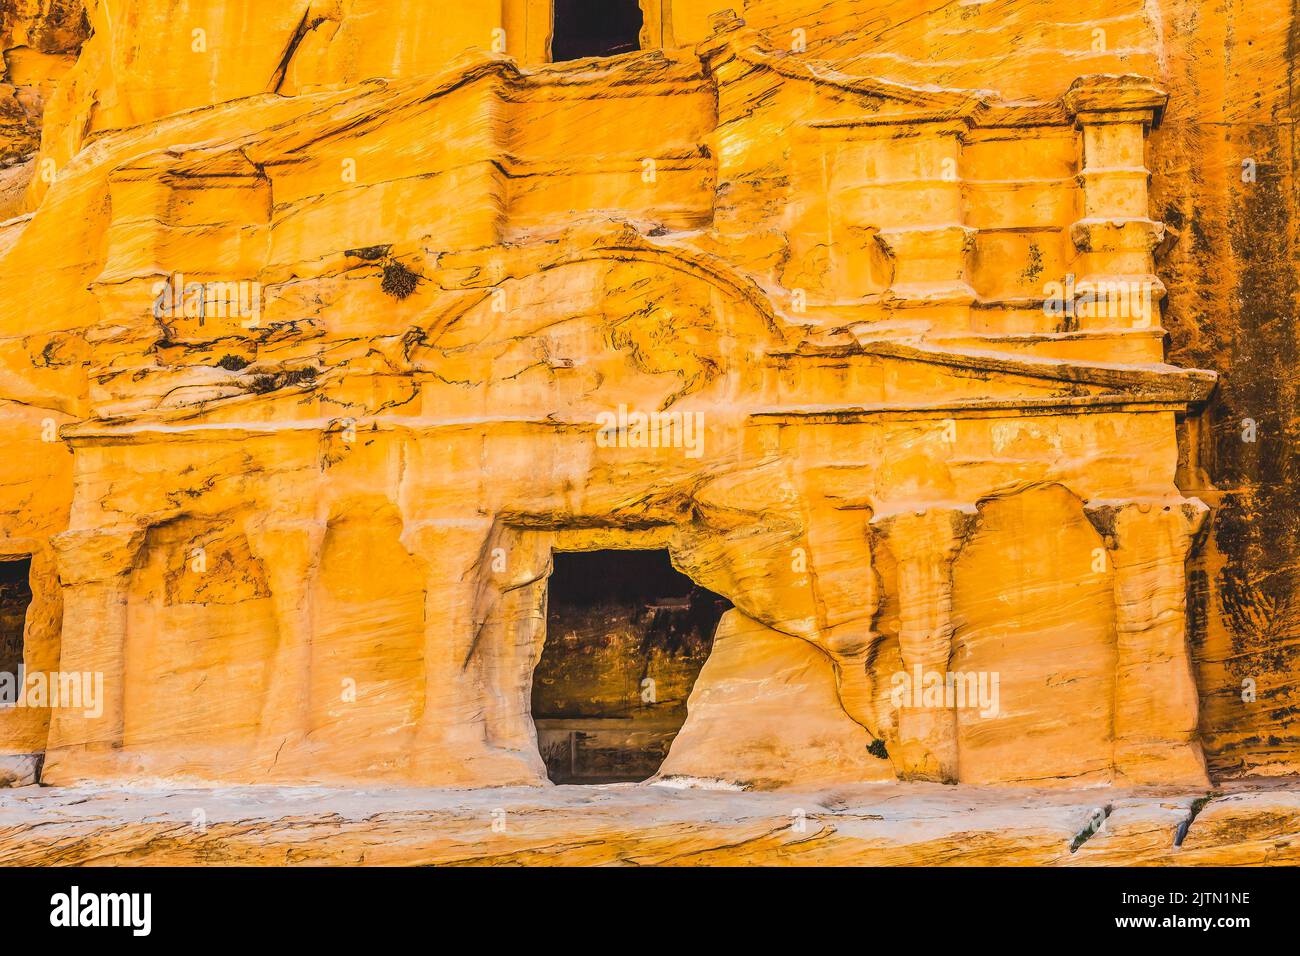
(1155, 711)
(94, 570)
(842, 579)
(1116, 237)
(470, 568)
(930, 271)
(924, 545)
(924, 230)
(289, 553)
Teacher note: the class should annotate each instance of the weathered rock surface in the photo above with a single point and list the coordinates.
(300, 517)
(765, 708)
(632, 825)
(39, 43)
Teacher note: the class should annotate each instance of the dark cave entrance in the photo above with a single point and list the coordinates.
(594, 28)
(15, 598)
(626, 636)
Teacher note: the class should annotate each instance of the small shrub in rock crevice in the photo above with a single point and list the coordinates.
(399, 281)
(300, 376)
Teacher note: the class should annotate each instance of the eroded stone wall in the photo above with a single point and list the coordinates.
(827, 230)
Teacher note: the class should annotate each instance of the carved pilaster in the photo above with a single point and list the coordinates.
(289, 553)
(924, 545)
(1116, 238)
(925, 234)
(466, 700)
(847, 597)
(930, 271)
(1155, 694)
(94, 570)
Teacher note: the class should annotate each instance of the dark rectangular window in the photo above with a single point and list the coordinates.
(595, 28)
(15, 596)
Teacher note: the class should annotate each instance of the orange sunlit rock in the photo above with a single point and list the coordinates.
(320, 333)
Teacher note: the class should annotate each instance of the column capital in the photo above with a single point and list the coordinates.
(930, 264)
(1105, 98)
(97, 554)
(1130, 527)
(930, 531)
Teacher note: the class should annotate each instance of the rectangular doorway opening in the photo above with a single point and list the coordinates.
(626, 636)
(15, 598)
(583, 28)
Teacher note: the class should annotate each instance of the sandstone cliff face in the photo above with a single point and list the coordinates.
(39, 41)
(299, 510)
(1224, 177)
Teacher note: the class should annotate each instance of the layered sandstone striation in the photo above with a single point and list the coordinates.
(627, 825)
(322, 328)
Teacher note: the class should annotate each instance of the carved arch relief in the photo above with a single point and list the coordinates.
(595, 333)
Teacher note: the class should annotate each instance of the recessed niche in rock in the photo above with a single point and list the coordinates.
(595, 28)
(626, 636)
(15, 596)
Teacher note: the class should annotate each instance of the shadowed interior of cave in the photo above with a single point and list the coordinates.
(626, 636)
(15, 596)
(595, 28)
